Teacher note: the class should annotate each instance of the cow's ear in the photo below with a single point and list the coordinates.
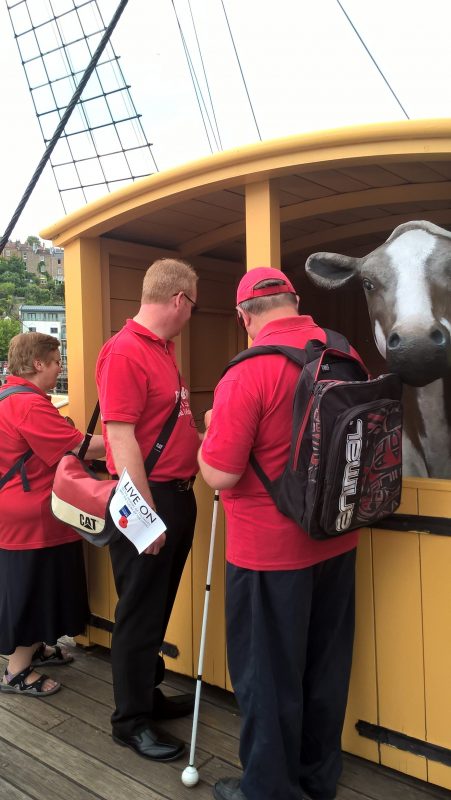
(331, 270)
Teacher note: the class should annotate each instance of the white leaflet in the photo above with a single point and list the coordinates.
(133, 516)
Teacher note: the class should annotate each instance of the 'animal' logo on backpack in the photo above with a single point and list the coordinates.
(87, 522)
(350, 477)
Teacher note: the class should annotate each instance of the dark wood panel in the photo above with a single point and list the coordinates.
(337, 180)
(303, 188)
(416, 172)
(227, 199)
(208, 210)
(374, 176)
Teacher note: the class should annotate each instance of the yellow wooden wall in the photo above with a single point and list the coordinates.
(402, 663)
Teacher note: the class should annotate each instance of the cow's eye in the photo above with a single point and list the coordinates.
(367, 285)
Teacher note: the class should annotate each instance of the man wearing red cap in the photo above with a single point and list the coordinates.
(290, 598)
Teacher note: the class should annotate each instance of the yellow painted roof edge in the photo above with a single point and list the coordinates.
(227, 166)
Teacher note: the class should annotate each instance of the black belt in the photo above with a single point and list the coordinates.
(176, 485)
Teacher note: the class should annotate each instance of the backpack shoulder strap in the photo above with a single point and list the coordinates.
(295, 354)
(301, 357)
(19, 465)
(336, 340)
(8, 390)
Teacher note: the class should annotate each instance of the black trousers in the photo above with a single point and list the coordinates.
(290, 636)
(146, 586)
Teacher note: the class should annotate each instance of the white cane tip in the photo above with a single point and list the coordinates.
(190, 776)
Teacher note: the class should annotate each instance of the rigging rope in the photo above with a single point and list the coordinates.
(241, 70)
(196, 85)
(63, 122)
(374, 61)
(205, 75)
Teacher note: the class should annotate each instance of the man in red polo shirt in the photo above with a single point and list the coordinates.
(139, 386)
(290, 599)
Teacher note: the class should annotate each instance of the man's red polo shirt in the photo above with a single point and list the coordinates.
(31, 421)
(252, 410)
(137, 380)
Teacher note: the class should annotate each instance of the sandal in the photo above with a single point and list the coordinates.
(17, 685)
(57, 658)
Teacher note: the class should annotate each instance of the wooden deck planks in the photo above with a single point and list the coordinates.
(61, 747)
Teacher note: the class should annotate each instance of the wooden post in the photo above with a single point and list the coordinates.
(84, 327)
(262, 225)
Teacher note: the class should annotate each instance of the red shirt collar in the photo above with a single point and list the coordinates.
(15, 380)
(134, 326)
(284, 324)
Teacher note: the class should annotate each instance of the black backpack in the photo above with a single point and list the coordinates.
(19, 465)
(345, 465)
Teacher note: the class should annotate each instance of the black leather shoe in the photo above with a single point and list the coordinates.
(228, 789)
(171, 707)
(151, 744)
(306, 796)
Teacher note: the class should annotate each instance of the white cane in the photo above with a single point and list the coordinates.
(190, 775)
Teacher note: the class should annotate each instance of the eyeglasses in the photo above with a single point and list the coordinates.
(240, 320)
(193, 303)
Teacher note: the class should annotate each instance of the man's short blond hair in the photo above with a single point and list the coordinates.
(166, 277)
(26, 348)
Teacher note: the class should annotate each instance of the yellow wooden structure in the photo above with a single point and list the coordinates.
(274, 203)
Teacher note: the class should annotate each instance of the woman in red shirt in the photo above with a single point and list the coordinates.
(42, 579)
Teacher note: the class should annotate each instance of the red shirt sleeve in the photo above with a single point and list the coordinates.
(123, 389)
(233, 427)
(47, 432)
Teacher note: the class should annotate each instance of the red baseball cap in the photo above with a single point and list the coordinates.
(246, 287)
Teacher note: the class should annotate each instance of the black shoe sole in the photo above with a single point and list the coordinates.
(143, 755)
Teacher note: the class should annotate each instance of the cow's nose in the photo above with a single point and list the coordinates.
(393, 341)
(419, 356)
(438, 335)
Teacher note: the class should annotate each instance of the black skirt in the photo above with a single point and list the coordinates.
(42, 595)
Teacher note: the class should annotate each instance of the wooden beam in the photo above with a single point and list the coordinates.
(318, 241)
(407, 193)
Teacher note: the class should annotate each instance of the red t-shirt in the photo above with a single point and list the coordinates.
(137, 381)
(252, 411)
(30, 420)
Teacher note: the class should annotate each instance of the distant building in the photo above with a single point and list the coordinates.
(50, 320)
(38, 259)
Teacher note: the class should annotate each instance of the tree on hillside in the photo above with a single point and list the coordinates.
(44, 295)
(8, 329)
(8, 303)
(19, 286)
(31, 240)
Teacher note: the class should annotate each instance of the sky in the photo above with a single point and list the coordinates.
(304, 66)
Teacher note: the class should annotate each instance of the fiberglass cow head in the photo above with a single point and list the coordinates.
(407, 283)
